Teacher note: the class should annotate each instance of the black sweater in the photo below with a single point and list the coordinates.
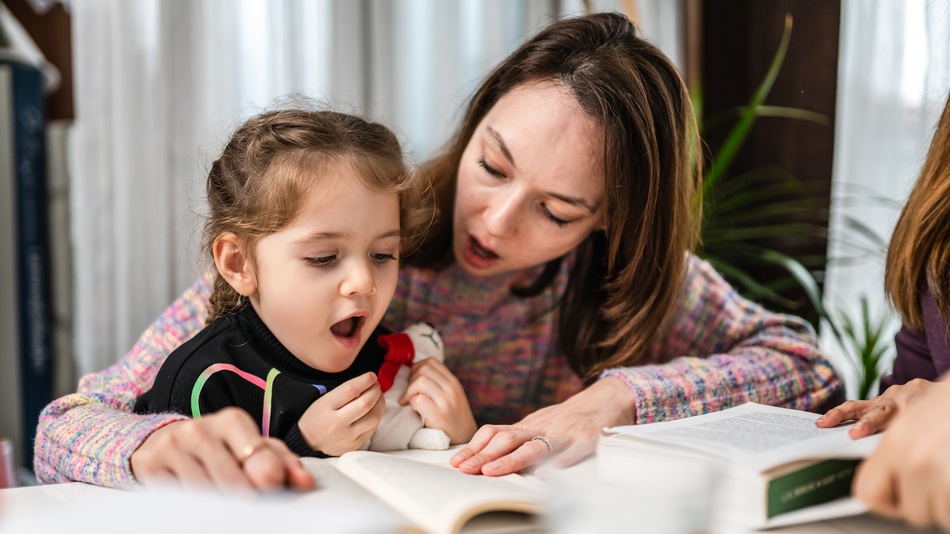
(231, 363)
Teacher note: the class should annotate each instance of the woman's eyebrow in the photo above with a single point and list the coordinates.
(501, 145)
(575, 201)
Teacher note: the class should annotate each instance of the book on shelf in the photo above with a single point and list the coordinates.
(24, 238)
(424, 494)
(756, 466)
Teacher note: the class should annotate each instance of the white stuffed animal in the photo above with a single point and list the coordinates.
(401, 427)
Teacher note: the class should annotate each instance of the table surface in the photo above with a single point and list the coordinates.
(77, 507)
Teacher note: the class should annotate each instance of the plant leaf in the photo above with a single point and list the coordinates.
(737, 135)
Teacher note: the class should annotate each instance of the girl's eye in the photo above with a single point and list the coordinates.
(322, 261)
(383, 258)
(489, 169)
(551, 217)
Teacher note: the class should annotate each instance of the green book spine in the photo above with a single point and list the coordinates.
(818, 483)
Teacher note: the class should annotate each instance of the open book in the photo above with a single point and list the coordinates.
(432, 497)
(755, 466)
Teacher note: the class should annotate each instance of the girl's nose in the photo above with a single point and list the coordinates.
(358, 280)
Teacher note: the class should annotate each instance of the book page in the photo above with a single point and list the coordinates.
(755, 435)
(438, 498)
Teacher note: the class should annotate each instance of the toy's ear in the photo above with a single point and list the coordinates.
(426, 341)
(234, 263)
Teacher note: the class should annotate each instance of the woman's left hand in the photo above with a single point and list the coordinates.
(876, 414)
(569, 430)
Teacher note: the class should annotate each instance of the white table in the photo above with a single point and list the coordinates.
(336, 507)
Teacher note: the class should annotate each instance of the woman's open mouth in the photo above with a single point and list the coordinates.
(479, 256)
(347, 331)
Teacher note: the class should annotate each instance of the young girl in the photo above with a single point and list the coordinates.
(305, 232)
(558, 270)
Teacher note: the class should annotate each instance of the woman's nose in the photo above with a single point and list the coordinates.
(501, 215)
(358, 280)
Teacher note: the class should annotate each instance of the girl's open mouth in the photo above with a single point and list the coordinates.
(348, 330)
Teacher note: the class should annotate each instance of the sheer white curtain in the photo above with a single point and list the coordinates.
(161, 83)
(893, 78)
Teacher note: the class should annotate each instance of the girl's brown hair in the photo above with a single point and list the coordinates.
(918, 257)
(274, 159)
(626, 279)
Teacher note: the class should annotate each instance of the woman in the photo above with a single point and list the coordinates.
(558, 271)
(917, 281)
(908, 476)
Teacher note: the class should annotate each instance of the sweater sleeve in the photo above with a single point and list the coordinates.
(915, 356)
(721, 350)
(89, 436)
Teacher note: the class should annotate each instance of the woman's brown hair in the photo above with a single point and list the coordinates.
(626, 279)
(274, 159)
(918, 257)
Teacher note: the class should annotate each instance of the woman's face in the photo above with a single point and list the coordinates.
(530, 184)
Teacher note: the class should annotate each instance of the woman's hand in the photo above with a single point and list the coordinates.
(572, 429)
(908, 476)
(876, 414)
(224, 450)
(343, 419)
(437, 396)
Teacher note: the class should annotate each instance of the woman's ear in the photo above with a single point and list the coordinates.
(602, 226)
(233, 263)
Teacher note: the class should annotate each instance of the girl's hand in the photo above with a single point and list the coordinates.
(876, 414)
(343, 419)
(437, 396)
(224, 450)
(908, 476)
(572, 429)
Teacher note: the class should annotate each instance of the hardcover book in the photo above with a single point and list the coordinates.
(756, 466)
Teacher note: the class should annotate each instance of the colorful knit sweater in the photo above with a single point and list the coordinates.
(718, 350)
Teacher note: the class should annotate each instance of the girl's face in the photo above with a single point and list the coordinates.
(325, 280)
(530, 185)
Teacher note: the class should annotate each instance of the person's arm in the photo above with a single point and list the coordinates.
(89, 436)
(722, 350)
(718, 350)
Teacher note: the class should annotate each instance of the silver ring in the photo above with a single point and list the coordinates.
(546, 441)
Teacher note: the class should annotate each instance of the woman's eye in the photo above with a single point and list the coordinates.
(322, 261)
(489, 169)
(383, 258)
(551, 217)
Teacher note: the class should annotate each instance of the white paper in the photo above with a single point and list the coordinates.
(754, 435)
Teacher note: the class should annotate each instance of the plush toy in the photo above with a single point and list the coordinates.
(401, 427)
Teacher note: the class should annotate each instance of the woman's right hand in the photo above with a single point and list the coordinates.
(876, 414)
(224, 450)
(908, 475)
